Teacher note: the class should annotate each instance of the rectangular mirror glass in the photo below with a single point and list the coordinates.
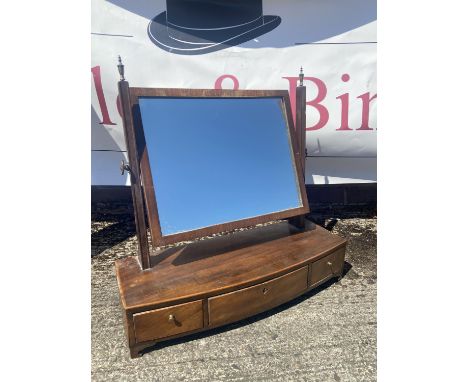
(218, 160)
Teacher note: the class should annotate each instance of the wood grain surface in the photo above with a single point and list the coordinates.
(169, 321)
(221, 265)
(246, 302)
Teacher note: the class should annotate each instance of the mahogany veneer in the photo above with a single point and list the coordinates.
(216, 281)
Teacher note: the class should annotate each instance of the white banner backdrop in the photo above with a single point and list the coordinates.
(334, 41)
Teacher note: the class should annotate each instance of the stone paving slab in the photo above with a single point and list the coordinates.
(328, 334)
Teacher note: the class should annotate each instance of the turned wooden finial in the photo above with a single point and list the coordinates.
(301, 77)
(121, 69)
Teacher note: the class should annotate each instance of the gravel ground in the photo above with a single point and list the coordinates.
(328, 334)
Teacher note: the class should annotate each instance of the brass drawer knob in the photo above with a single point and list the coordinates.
(265, 290)
(171, 318)
(329, 263)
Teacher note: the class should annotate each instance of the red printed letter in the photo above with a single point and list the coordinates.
(344, 106)
(366, 100)
(219, 81)
(100, 94)
(322, 92)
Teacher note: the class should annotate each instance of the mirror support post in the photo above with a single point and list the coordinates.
(134, 169)
(300, 129)
(301, 120)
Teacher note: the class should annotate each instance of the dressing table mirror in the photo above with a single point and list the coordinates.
(216, 164)
(204, 162)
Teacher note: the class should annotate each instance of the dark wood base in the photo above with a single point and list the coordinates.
(217, 281)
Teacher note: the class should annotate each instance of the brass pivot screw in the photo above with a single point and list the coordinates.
(124, 167)
(171, 318)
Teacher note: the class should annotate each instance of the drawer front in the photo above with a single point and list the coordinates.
(327, 267)
(168, 321)
(246, 302)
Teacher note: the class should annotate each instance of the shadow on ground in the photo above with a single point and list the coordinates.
(113, 223)
(108, 230)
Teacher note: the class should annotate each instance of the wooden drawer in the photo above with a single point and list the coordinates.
(249, 301)
(327, 267)
(168, 321)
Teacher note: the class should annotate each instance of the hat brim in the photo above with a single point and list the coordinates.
(190, 42)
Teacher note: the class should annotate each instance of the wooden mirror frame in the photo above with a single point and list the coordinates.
(142, 182)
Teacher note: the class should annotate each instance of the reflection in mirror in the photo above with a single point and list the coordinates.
(218, 160)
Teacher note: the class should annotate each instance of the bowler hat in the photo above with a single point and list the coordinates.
(203, 26)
